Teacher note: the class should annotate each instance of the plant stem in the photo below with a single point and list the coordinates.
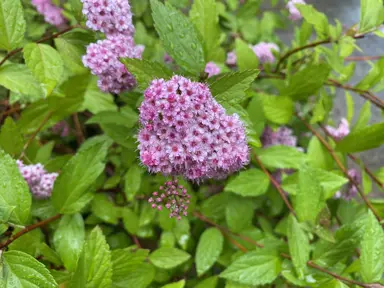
(79, 131)
(28, 229)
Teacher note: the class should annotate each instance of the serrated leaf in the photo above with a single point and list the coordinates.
(239, 213)
(45, 64)
(281, 157)
(204, 16)
(298, 245)
(94, 268)
(254, 268)
(309, 198)
(317, 19)
(277, 109)
(208, 250)
(249, 183)
(12, 24)
(72, 188)
(68, 239)
(146, 71)
(372, 14)
(246, 58)
(23, 270)
(307, 82)
(14, 192)
(11, 140)
(168, 258)
(372, 250)
(363, 139)
(18, 79)
(179, 37)
(231, 87)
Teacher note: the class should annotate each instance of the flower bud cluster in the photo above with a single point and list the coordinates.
(40, 182)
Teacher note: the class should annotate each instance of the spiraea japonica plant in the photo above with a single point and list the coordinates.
(177, 143)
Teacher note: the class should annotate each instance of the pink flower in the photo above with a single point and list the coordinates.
(282, 136)
(341, 132)
(212, 69)
(192, 134)
(61, 128)
(294, 13)
(231, 58)
(52, 14)
(351, 190)
(263, 51)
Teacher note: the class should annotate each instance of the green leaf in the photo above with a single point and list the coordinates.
(28, 243)
(249, 183)
(239, 213)
(49, 254)
(12, 24)
(179, 284)
(255, 111)
(208, 250)
(14, 192)
(231, 87)
(281, 157)
(373, 77)
(132, 181)
(131, 221)
(18, 79)
(309, 198)
(23, 270)
(204, 16)
(278, 109)
(350, 106)
(246, 58)
(114, 117)
(363, 139)
(11, 140)
(168, 258)
(210, 282)
(45, 64)
(254, 268)
(145, 71)
(318, 155)
(317, 19)
(179, 37)
(76, 8)
(105, 209)
(94, 268)
(298, 245)
(307, 82)
(371, 14)
(72, 189)
(372, 250)
(68, 239)
(364, 117)
(97, 101)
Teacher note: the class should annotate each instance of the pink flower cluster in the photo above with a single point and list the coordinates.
(263, 51)
(61, 128)
(340, 132)
(351, 190)
(282, 136)
(231, 58)
(186, 132)
(212, 69)
(39, 181)
(174, 197)
(109, 16)
(103, 59)
(294, 13)
(52, 14)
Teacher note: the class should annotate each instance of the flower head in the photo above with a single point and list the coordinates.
(263, 51)
(341, 132)
(186, 132)
(231, 58)
(294, 13)
(282, 136)
(212, 69)
(52, 14)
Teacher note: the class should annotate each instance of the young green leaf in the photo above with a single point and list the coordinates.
(94, 268)
(372, 250)
(208, 250)
(255, 111)
(168, 258)
(14, 192)
(11, 140)
(254, 268)
(12, 24)
(298, 245)
(23, 270)
(372, 15)
(246, 58)
(179, 37)
(364, 117)
(72, 189)
(250, 183)
(281, 157)
(277, 109)
(45, 64)
(318, 156)
(68, 239)
(145, 71)
(373, 77)
(317, 19)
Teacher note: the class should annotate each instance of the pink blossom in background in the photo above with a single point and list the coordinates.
(186, 132)
(40, 182)
(52, 14)
(231, 58)
(351, 190)
(103, 59)
(263, 51)
(168, 59)
(61, 128)
(109, 16)
(282, 136)
(212, 69)
(294, 13)
(341, 132)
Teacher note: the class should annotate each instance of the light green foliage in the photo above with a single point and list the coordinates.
(372, 14)
(246, 58)
(252, 182)
(208, 249)
(12, 24)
